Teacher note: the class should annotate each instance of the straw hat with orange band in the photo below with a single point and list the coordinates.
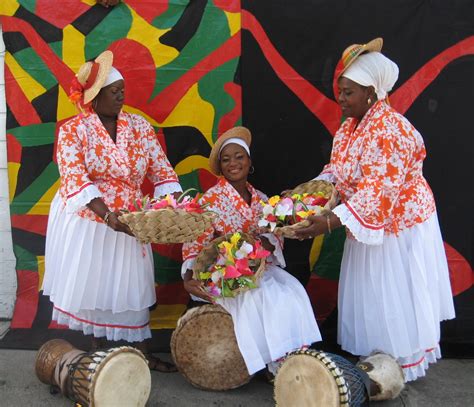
(365, 65)
(91, 78)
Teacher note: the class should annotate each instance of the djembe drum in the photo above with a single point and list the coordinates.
(309, 378)
(205, 349)
(113, 377)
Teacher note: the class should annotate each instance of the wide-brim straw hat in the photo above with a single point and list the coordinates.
(238, 132)
(92, 75)
(352, 52)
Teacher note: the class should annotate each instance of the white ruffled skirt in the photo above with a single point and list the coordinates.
(100, 281)
(272, 320)
(393, 296)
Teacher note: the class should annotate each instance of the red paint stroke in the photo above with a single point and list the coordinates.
(405, 95)
(60, 70)
(460, 271)
(229, 119)
(206, 179)
(55, 325)
(148, 10)
(322, 107)
(60, 17)
(27, 297)
(231, 6)
(31, 223)
(164, 103)
(323, 295)
(13, 149)
(22, 109)
(136, 64)
(171, 251)
(171, 294)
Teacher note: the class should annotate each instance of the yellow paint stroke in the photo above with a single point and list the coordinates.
(89, 2)
(148, 35)
(43, 204)
(40, 260)
(30, 87)
(166, 316)
(131, 109)
(315, 250)
(191, 163)
(193, 111)
(234, 20)
(13, 169)
(8, 7)
(74, 44)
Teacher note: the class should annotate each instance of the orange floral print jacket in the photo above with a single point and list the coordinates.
(377, 167)
(91, 165)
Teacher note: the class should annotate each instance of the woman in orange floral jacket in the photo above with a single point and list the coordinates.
(99, 278)
(394, 286)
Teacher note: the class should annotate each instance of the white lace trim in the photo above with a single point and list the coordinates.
(361, 233)
(81, 199)
(277, 257)
(111, 333)
(167, 188)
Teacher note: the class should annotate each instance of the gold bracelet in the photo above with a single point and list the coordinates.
(328, 222)
(106, 217)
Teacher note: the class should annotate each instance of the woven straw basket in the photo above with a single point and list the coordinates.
(208, 256)
(310, 187)
(167, 225)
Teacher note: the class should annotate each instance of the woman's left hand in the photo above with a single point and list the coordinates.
(266, 244)
(318, 227)
(114, 223)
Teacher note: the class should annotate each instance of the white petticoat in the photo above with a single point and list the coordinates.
(272, 320)
(393, 296)
(100, 281)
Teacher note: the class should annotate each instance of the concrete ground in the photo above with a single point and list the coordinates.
(448, 383)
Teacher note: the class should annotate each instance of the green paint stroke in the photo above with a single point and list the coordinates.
(329, 262)
(35, 134)
(29, 60)
(171, 16)
(167, 270)
(212, 32)
(113, 27)
(211, 89)
(25, 260)
(23, 202)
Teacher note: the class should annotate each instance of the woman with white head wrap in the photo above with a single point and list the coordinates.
(99, 278)
(394, 287)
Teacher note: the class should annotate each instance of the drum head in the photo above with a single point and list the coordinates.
(205, 349)
(122, 379)
(305, 381)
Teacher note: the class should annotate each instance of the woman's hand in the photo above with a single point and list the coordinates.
(317, 227)
(195, 287)
(114, 223)
(266, 244)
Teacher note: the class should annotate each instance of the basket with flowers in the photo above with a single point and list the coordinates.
(167, 220)
(285, 214)
(230, 264)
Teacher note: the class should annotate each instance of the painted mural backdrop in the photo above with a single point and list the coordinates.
(180, 63)
(188, 72)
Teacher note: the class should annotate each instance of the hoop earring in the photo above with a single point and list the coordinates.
(251, 170)
(369, 101)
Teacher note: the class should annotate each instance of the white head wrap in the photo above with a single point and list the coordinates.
(113, 76)
(373, 69)
(234, 140)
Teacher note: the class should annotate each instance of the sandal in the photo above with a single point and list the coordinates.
(159, 365)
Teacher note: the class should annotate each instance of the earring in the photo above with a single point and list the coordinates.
(252, 170)
(369, 101)
(94, 104)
